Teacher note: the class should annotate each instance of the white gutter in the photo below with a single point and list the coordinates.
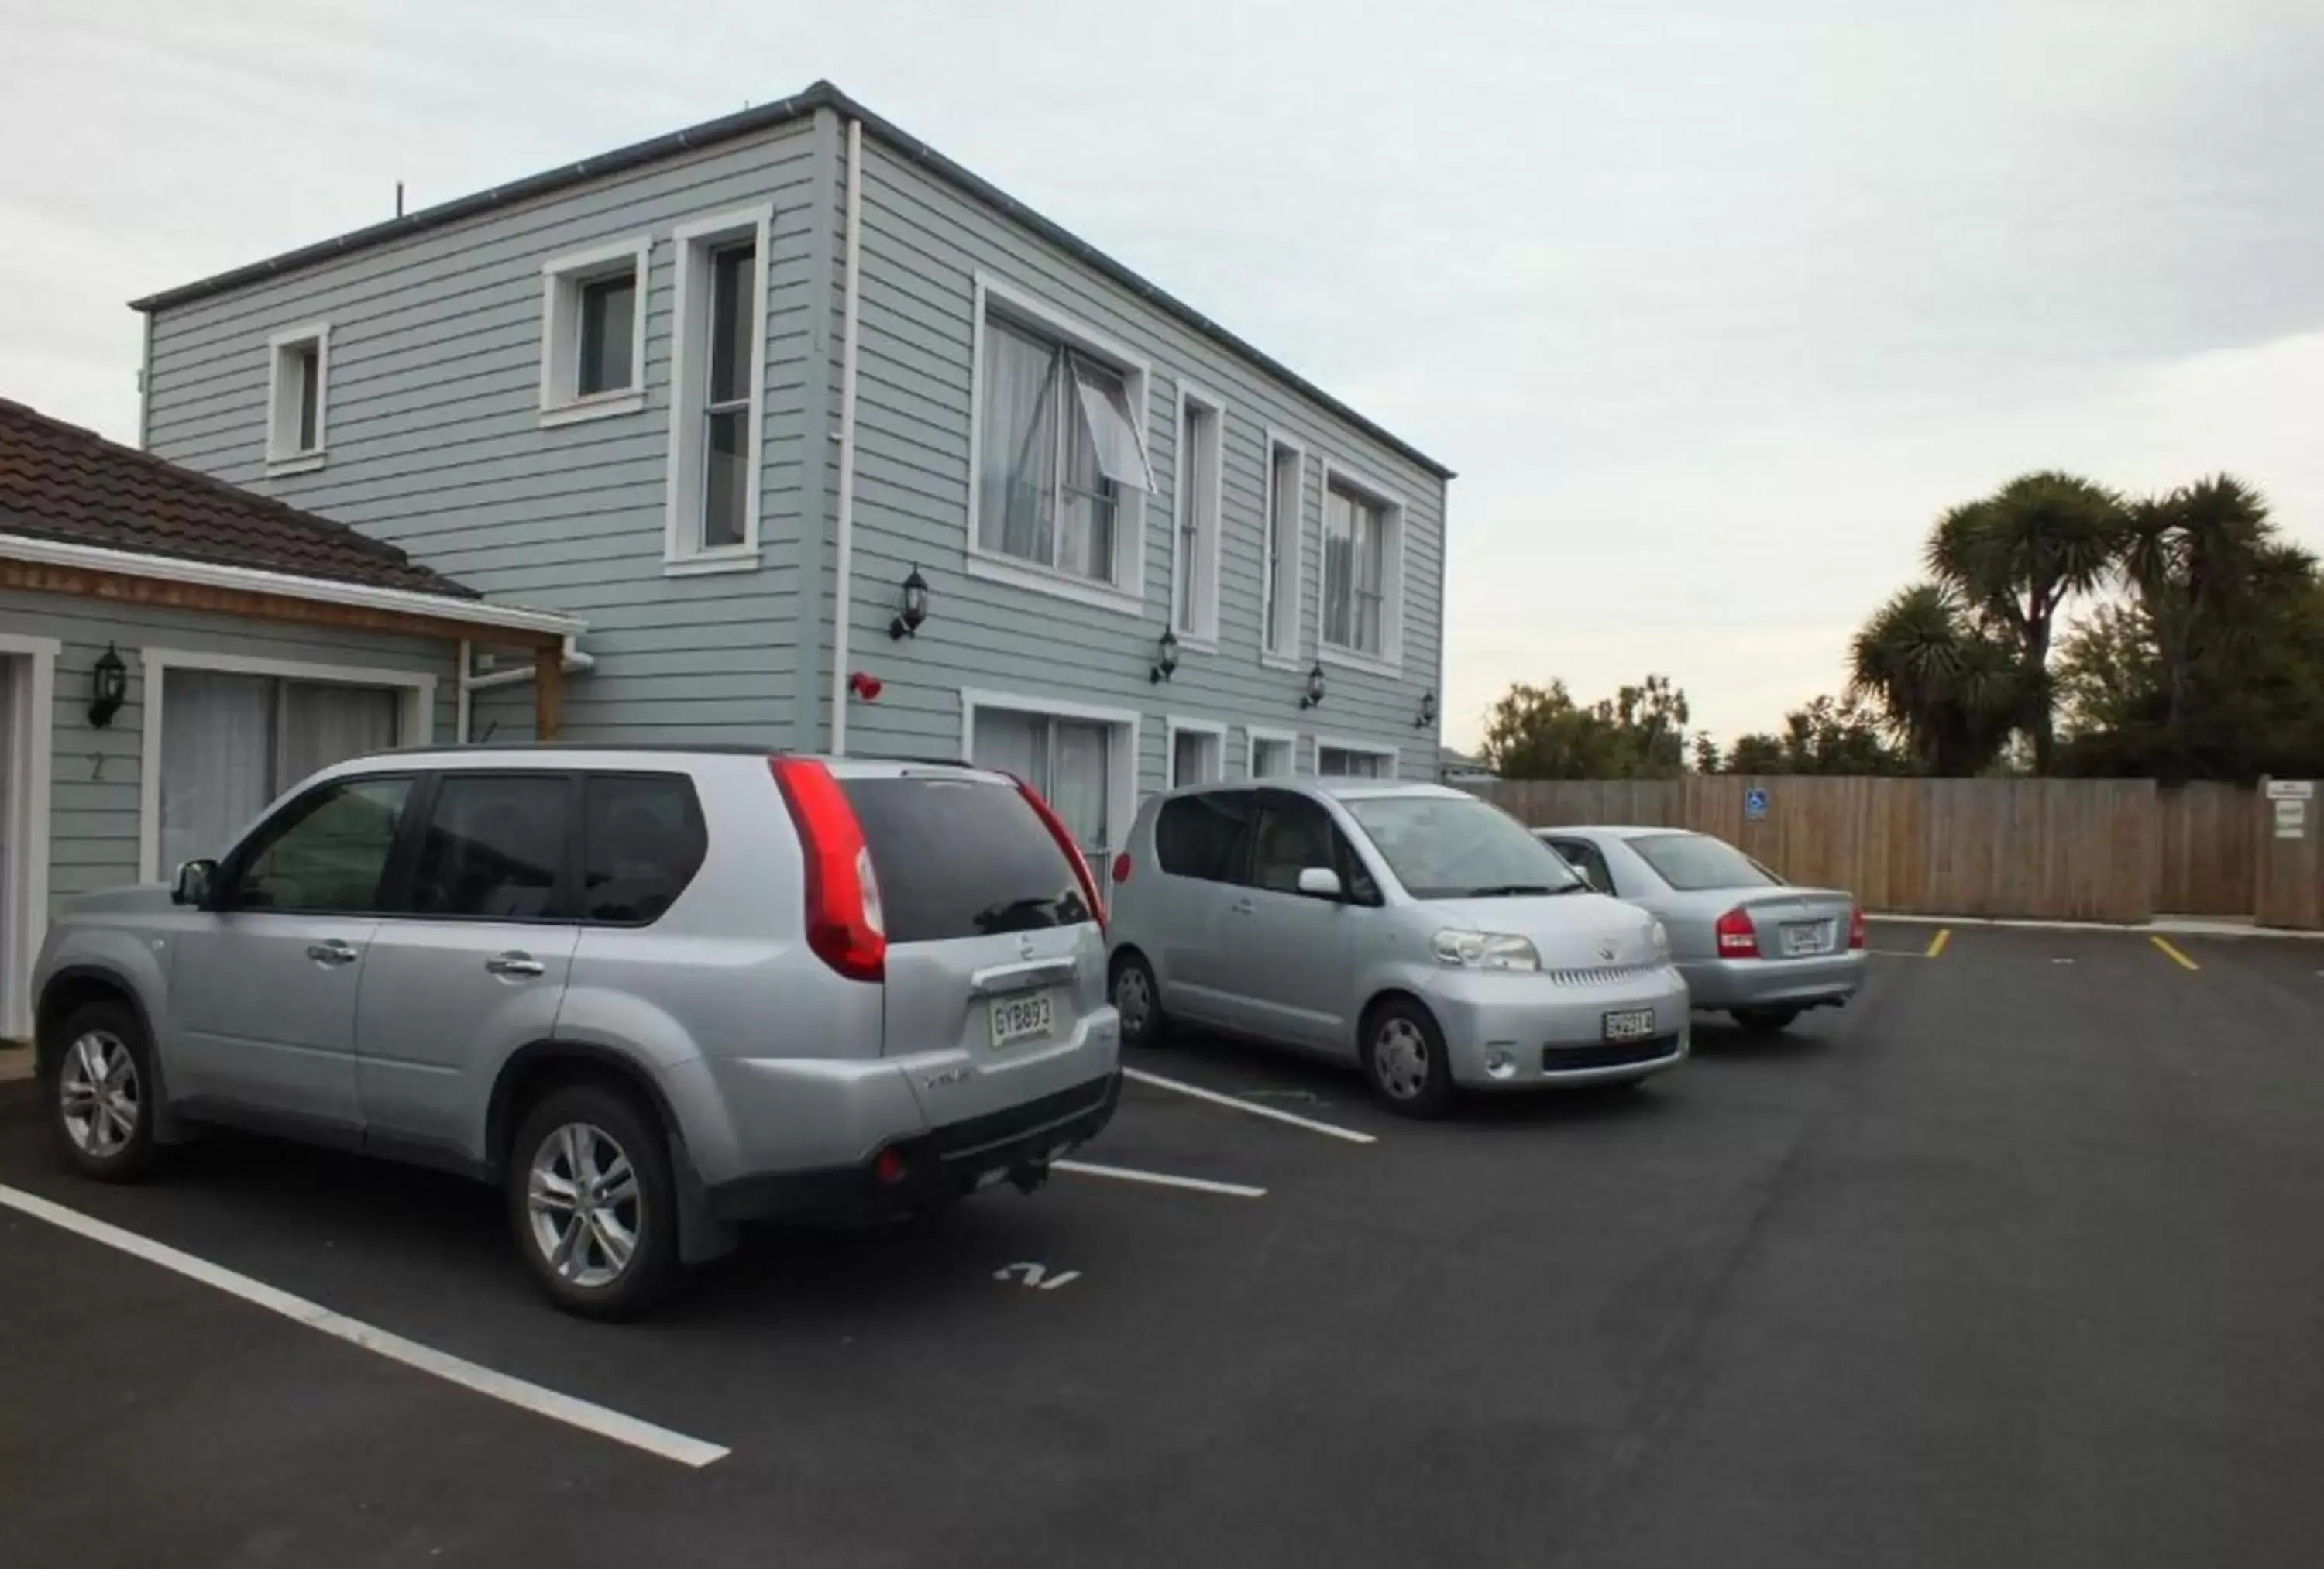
(572, 661)
(843, 568)
(320, 590)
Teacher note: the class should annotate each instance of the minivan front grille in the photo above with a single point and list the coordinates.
(1612, 1054)
(1599, 977)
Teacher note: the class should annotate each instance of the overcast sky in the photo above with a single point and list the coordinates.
(1713, 304)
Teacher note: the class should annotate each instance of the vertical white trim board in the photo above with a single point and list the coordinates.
(416, 725)
(30, 665)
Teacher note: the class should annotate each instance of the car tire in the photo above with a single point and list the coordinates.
(1766, 1020)
(1138, 999)
(613, 1253)
(99, 1089)
(1404, 1059)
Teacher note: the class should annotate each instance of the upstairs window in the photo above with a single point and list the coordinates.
(1363, 567)
(717, 390)
(1279, 611)
(1061, 467)
(1194, 561)
(297, 396)
(592, 332)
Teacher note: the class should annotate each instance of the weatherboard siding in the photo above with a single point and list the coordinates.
(96, 773)
(435, 440)
(924, 242)
(434, 444)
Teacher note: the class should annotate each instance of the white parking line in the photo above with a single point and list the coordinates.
(1158, 1178)
(483, 1380)
(1158, 1082)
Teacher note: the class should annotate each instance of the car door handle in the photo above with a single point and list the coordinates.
(337, 950)
(1241, 907)
(515, 964)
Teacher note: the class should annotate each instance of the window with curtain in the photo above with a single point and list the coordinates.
(1342, 763)
(1355, 571)
(231, 743)
(1280, 612)
(1057, 444)
(1068, 761)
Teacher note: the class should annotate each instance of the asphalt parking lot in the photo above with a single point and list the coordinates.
(2014, 1262)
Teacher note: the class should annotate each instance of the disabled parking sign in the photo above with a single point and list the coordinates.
(1755, 805)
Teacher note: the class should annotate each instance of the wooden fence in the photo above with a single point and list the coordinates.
(2068, 849)
(2208, 862)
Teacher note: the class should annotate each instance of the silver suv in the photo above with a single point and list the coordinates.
(651, 993)
(1417, 931)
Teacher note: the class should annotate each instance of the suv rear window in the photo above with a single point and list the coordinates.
(961, 858)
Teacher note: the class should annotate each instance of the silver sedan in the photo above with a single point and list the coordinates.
(1748, 943)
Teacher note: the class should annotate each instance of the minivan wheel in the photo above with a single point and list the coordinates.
(100, 1092)
(590, 1200)
(1766, 1020)
(1137, 1000)
(1404, 1059)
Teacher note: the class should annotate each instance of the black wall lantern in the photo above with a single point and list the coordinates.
(1314, 696)
(108, 687)
(915, 607)
(1165, 657)
(1428, 711)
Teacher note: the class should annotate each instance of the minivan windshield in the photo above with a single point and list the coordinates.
(1447, 847)
(1693, 862)
(961, 858)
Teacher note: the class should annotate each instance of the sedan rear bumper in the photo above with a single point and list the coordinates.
(1826, 980)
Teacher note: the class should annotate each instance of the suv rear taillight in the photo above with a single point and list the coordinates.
(1856, 927)
(1073, 852)
(843, 924)
(1738, 939)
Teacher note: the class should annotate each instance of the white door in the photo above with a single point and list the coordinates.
(1067, 760)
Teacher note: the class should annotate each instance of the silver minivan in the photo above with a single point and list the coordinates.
(1413, 930)
(651, 993)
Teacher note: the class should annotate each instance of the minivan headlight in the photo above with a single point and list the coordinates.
(1485, 950)
(1662, 941)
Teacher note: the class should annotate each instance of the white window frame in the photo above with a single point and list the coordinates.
(1253, 736)
(1173, 727)
(561, 281)
(1390, 660)
(415, 722)
(30, 665)
(1200, 629)
(1126, 592)
(1282, 654)
(1120, 759)
(1348, 744)
(693, 243)
(284, 455)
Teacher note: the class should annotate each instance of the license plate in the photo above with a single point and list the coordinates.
(1804, 938)
(1021, 1018)
(1630, 1024)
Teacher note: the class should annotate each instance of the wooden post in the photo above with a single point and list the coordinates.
(547, 692)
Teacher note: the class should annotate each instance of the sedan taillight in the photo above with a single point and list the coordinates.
(1856, 927)
(1737, 937)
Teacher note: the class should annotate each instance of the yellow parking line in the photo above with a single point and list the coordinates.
(1937, 943)
(2177, 957)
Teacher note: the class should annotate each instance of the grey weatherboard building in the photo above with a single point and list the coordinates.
(684, 389)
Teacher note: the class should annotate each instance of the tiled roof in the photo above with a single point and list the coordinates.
(60, 481)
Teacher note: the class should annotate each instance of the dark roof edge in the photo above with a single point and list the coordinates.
(766, 116)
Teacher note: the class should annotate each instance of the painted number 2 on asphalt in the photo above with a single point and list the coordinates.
(1037, 1276)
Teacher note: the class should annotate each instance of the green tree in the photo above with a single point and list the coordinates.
(2014, 558)
(1540, 733)
(1946, 688)
(1839, 735)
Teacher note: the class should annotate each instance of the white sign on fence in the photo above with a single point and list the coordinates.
(2291, 818)
(2291, 790)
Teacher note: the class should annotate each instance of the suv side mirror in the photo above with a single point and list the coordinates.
(1320, 883)
(193, 884)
